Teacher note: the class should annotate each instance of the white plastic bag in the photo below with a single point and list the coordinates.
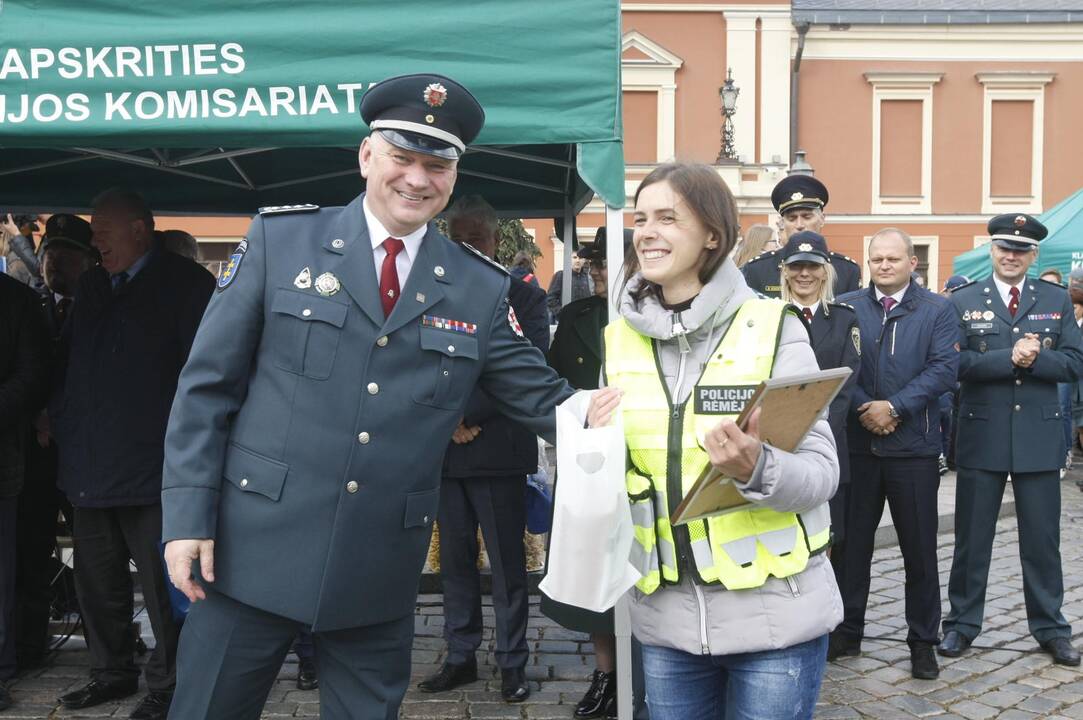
(592, 532)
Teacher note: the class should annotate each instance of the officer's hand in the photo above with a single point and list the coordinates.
(464, 434)
(1026, 350)
(179, 555)
(734, 452)
(603, 403)
(875, 417)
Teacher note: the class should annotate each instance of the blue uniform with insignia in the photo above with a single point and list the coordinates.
(1010, 423)
(308, 432)
(762, 273)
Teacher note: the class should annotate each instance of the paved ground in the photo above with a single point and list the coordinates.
(1003, 676)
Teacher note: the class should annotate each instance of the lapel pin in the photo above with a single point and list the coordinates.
(420, 297)
(438, 271)
(303, 279)
(327, 284)
(337, 243)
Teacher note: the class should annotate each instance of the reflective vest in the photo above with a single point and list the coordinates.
(739, 549)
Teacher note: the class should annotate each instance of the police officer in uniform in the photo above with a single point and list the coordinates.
(1018, 339)
(800, 201)
(303, 456)
(807, 281)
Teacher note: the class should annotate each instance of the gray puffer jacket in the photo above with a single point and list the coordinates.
(781, 613)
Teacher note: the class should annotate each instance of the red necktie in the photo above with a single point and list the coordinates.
(807, 313)
(1013, 306)
(888, 302)
(389, 275)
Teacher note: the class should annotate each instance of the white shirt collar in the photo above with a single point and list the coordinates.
(378, 233)
(812, 308)
(897, 296)
(1005, 289)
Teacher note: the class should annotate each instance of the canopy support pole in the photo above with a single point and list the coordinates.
(569, 249)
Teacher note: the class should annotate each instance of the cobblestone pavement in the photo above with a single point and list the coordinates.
(1003, 676)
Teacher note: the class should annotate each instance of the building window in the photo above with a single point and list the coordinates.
(1013, 117)
(647, 67)
(902, 141)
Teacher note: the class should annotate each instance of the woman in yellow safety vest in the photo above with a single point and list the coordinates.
(733, 612)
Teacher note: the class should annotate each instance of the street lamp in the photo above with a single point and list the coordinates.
(728, 95)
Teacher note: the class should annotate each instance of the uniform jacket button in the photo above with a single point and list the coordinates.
(1018, 408)
(244, 482)
(306, 312)
(579, 360)
(1015, 329)
(363, 438)
(451, 348)
(382, 341)
(1018, 381)
(373, 388)
(351, 487)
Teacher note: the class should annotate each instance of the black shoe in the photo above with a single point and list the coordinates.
(307, 679)
(611, 710)
(6, 700)
(95, 693)
(838, 645)
(600, 695)
(1062, 651)
(513, 686)
(155, 706)
(923, 662)
(954, 644)
(450, 676)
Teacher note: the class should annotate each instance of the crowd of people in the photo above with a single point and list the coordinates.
(272, 448)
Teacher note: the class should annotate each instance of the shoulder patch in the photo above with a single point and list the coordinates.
(232, 266)
(471, 250)
(855, 338)
(287, 209)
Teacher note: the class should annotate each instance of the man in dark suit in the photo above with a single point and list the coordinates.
(304, 450)
(908, 360)
(128, 336)
(24, 372)
(484, 484)
(799, 201)
(1018, 339)
(68, 253)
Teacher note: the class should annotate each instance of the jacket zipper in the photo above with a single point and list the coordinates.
(894, 327)
(795, 589)
(705, 645)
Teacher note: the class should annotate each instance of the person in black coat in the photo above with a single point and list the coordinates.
(131, 327)
(807, 281)
(483, 483)
(24, 372)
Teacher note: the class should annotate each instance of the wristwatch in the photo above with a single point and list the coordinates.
(892, 411)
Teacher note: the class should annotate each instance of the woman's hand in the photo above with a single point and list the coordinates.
(603, 403)
(732, 451)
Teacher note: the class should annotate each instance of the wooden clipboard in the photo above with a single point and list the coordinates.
(789, 408)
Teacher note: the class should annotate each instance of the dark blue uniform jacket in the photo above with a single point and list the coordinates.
(910, 360)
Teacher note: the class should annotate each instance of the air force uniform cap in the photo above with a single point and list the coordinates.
(429, 114)
(806, 246)
(70, 230)
(1016, 231)
(798, 191)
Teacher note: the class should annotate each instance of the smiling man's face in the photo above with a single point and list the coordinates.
(406, 189)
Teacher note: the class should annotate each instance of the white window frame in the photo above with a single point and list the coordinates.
(903, 86)
(930, 241)
(657, 74)
(1017, 86)
(981, 240)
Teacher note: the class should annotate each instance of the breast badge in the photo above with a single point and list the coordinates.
(327, 284)
(303, 280)
(1047, 342)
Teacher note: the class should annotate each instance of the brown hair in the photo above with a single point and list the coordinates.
(752, 243)
(709, 199)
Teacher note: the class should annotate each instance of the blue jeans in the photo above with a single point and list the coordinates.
(764, 685)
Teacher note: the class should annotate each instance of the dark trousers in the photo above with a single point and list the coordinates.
(978, 494)
(498, 505)
(231, 653)
(8, 507)
(909, 485)
(105, 540)
(39, 506)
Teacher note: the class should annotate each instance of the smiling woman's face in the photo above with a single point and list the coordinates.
(670, 241)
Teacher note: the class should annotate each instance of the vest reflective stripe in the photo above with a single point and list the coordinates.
(739, 549)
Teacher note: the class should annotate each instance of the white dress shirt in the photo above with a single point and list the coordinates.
(896, 296)
(378, 233)
(811, 308)
(1005, 289)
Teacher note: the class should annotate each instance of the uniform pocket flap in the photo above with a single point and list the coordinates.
(1051, 412)
(308, 307)
(254, 473)
(449, 343)
(974, 412)
(421, 508)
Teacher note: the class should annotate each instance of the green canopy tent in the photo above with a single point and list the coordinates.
(1062, 248)
(214, 107)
